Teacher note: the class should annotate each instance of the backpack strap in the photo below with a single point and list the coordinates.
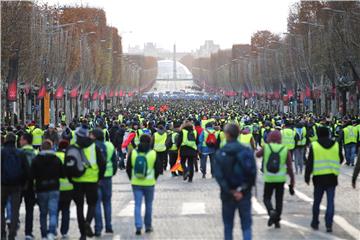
(282, 148)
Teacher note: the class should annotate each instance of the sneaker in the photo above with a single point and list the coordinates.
(329, 229)
(138, 232)
(190, 180)
(51, 236)
(272, 216)
(29, 237)
(270, 222)
(97, 234)
(277, 225)
(88, 230)
(185, 176)
(82, 237)
(314, 226)
(204, 176)
(110, 231)
(352, 164)
(149, 230)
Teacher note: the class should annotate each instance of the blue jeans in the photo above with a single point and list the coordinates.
(350, 152)
(203, 162)
(148, 193)
(104, 196)
(330, 209)
(228, 212)
(48, 204)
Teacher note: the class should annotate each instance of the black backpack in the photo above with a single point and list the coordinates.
(273, 164)
(12, 170)
(75, 162)
(191, 136)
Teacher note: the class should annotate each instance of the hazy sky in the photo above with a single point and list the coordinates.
(188, 23)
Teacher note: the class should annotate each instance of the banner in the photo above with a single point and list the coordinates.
(46, 108)
(74, 92)
(86, 94)
(12, 91)
(42, 92)
(59, 94)
(308, 92)
(95, 95)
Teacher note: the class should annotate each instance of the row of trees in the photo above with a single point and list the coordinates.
(62, 50)
(317, 59)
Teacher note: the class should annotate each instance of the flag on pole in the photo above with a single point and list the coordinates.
(177, 165)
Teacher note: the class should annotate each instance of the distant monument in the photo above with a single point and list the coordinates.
(174, 61)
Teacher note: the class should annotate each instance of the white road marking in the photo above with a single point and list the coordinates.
(116, 237)
(259, 209)
(257, 206)
(193, 208)
(345, 225)
(128, 211)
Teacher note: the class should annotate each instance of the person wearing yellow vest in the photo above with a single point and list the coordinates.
(143, 170)
(105, 184)
(188, 149)
(208, 144)
(66, 193)
(350, 141)
(173, 148)
(300, 146)
(275, 178)
(265, 130)
(159, 146)
(324, 160)
(37, 134)
(28, 193)
(288, 137)
(246, 138)
(87, 184)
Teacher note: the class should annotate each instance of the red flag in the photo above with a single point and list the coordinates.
(59, 94)
(116, 93)
(12, 91)
(308, 92)
(86, 94)
(27, 88)
(111, 93)
(290, 93)
(74, 92)
(152, 108)
(95, 95)
(277, 95)
(103, 95)
(42, 92)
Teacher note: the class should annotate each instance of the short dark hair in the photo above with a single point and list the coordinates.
(46, 145)
(232, 130)
(145, 139)
(27, 137)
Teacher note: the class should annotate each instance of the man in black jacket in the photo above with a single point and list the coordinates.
(46, 170)
(14, 174)
(324, 161)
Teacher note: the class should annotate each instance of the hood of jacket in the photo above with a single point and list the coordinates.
(84, 142)
(326, 142)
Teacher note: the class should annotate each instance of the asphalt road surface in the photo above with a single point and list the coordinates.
(185, 210)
